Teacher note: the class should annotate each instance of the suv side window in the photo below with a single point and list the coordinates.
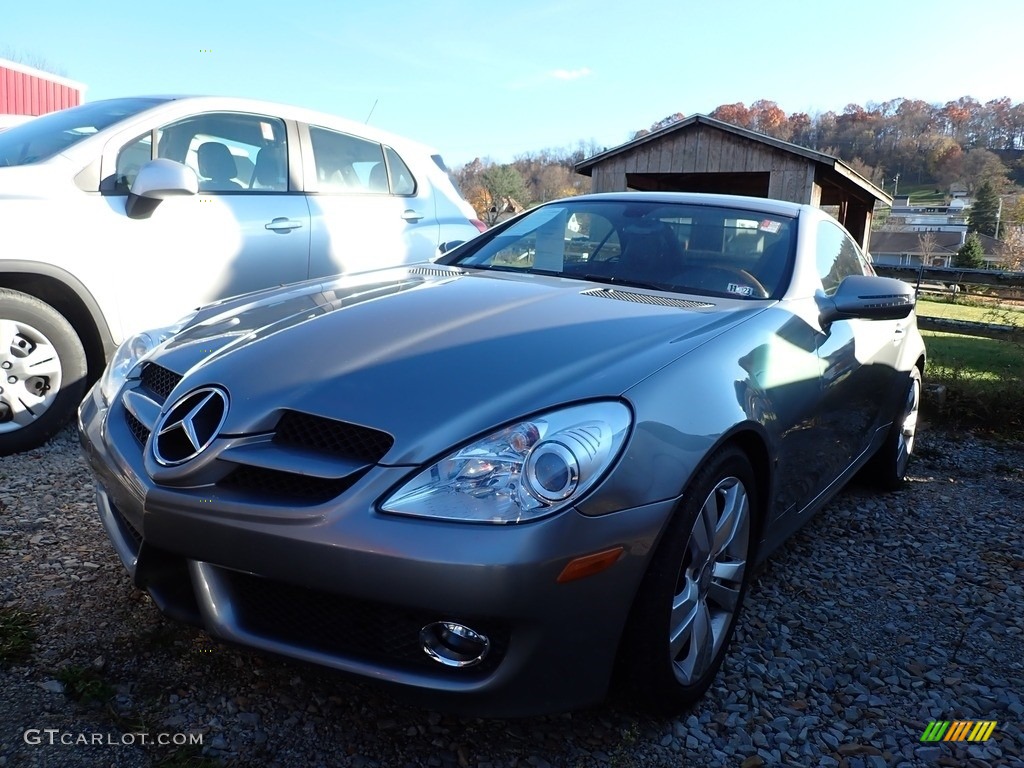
(348, 164)
(402, 181)
(837, 257)
(230, 152)
(132, 156)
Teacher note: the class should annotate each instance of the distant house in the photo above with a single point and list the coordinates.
(926, 248)
(29, 91)
(507, 208)
(928, 218)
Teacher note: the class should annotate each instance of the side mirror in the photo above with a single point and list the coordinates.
(156, 180)
(869, 298)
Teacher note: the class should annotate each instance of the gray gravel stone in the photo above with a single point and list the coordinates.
(883, 613)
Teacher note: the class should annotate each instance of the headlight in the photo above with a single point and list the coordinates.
(131, 351)
(522, 472)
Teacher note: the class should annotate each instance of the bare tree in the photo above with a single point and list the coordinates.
(928, 244)
(30, 59)
(1011, 250)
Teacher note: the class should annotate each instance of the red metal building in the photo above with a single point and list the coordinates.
(29, 91)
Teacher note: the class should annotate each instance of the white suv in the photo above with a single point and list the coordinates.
(124, 214)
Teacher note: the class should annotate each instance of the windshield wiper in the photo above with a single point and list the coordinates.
(610, 280)
(515, 270)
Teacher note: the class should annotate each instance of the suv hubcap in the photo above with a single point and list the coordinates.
(31, 374)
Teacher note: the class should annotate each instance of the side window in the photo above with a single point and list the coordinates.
(553, 240)
(132, 156)
(230, 152)
(402, 181)
(837, 256)
(348, 164)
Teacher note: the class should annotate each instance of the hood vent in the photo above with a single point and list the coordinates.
(435, 272)
(646, 298)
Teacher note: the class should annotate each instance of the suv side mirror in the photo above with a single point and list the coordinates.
(157, 180)
(867, 297)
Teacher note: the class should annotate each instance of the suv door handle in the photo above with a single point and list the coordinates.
(283, 224)
(411, 216)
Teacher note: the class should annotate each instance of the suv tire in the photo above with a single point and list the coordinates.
(43, 371)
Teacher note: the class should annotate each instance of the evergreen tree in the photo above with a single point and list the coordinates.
(984, 210)
(971, 253)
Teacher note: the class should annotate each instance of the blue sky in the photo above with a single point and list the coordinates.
(500, 79)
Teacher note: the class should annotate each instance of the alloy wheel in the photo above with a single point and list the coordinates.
(710, 582)
(908, 429)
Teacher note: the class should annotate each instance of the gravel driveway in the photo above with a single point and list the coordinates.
(884, 613)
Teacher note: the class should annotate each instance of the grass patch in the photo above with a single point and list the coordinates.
(17, 633)
(971, 311)
(922, 194)
(85, 684)
(956, 357)
(983, 380)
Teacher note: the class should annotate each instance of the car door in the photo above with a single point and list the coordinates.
(366, 208)
(247, 228)
(857, 357)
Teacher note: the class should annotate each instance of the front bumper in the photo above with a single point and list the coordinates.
(341, 585)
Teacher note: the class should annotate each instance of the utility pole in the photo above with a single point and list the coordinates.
(999, 215)
(896, 184)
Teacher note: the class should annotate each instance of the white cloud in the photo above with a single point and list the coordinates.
(568, 74)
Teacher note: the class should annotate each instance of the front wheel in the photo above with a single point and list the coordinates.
(685, 611)
(42, 371)
(888, 467)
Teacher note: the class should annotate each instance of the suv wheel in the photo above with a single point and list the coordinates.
(42, 371)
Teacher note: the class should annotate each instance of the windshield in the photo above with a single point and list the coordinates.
(683, 247)
(48, 135)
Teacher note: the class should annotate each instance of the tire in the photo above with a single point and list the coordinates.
(693, 590)
(888, 467)
(42, 371)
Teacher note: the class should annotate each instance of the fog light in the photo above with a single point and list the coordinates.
(454, 645)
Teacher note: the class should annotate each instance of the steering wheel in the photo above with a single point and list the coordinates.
(712, 277)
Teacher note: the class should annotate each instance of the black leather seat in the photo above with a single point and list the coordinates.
(217, 169)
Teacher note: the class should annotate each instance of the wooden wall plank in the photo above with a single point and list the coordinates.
(700, 163)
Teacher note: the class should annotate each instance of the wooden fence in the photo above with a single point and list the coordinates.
(953, 281)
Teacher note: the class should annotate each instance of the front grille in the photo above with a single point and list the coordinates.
(159, 380)
(274, 484)
(646, 298)
(339, 438)
(343, 626)
(140, 430)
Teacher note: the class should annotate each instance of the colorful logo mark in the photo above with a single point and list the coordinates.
(958, 730)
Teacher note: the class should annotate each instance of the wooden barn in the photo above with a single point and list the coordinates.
(701, 154)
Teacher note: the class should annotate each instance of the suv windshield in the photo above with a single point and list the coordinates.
(682, 247)
(48, 135)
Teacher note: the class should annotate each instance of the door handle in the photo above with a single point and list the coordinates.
(411, 216)
(283, 224)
